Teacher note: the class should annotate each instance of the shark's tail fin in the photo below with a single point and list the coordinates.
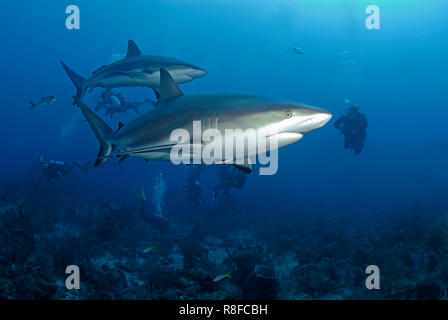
(101, 130)
(32, 105)
(77, 80)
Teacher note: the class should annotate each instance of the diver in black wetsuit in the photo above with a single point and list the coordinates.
(353, 124)
(52, 170)
(192, 188)
(114, 102)
(110, 99)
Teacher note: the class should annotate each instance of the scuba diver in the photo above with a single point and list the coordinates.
(52, 170)
(110, 101)
(192, 188)
(230, 177)
(156, 219)
(352, 124)
(114, 102)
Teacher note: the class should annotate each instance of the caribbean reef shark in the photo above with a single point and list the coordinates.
(148, 136)
(135, 70)
(18, 205)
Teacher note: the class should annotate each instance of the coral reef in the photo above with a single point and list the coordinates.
(322, 257)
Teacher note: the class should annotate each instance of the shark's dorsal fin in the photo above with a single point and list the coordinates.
(168, 87)
(133, 50)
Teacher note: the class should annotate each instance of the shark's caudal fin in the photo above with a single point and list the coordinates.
(101, 130)
(168, 87)
(133, 50)
(77, 80)
(32, 105)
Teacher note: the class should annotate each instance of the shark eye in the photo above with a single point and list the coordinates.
(288, 114)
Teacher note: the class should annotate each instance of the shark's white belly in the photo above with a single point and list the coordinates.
(218, 151)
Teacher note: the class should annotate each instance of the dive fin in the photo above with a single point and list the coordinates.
(77, 80)
(246, 167)
(133, 50)
(101, 130)
(168, 87)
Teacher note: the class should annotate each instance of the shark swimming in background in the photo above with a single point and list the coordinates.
(17, 206)
(148, 135)
(135, 70)
(8, 206)
(298, 51)
(43, 102)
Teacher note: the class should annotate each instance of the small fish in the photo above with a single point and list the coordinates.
(222, 276)
(298, 50)
(141, 195)
(149, 249)
(43, 102)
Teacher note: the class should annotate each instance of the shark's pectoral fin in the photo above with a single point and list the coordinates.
(246, 167)
(168, 87)
(133, 50)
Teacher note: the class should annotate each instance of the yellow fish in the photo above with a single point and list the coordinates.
(149, 249)
(222, 276)
(141, 195)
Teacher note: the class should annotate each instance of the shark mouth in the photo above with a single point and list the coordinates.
(284, 138)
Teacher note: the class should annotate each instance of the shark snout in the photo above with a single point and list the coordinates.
(321, 118)
(199, 73)
(316, 120)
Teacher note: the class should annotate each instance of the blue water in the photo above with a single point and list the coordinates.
(396, 75)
